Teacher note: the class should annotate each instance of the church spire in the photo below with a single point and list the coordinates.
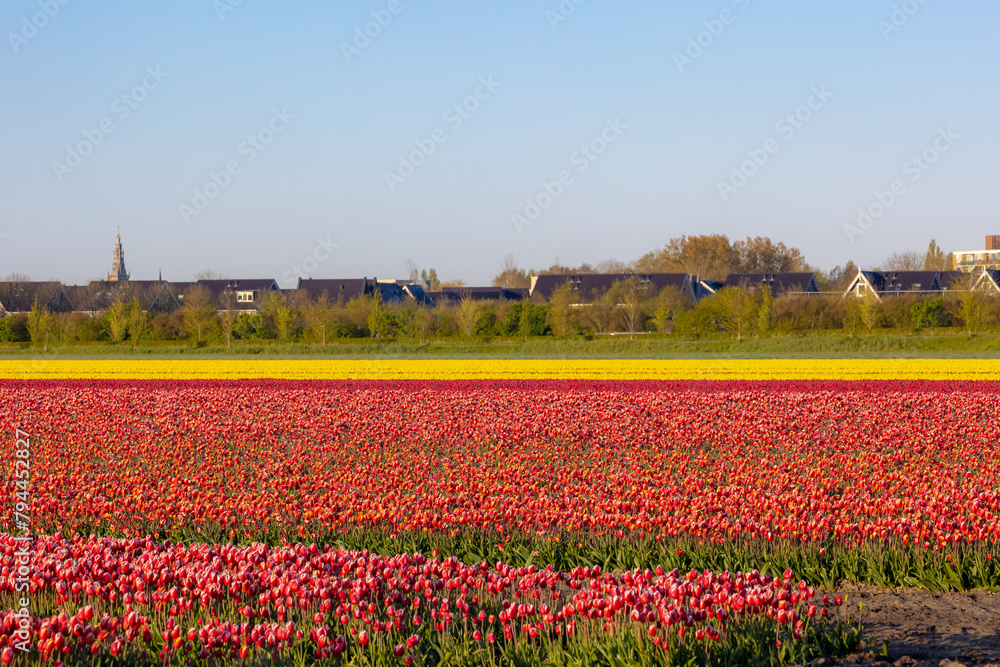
(118, 272)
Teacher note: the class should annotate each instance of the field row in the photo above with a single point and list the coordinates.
(732, 475)
(481, 369)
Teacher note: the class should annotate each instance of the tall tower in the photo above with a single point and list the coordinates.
(118, 272)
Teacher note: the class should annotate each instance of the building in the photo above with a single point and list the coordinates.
(447, 295)
(345, 289)
(779, 283)
(898, 283)
(118, 272)
(244, 295)
(592, 285)
(17, 296)
(154, 296)
(976, 261)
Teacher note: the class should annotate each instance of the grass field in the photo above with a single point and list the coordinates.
(819, 345)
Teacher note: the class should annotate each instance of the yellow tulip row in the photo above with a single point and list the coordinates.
(482, 369)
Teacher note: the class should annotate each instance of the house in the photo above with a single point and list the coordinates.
(706, 288)
(155, 296)
(957, 280)
(780, 283)
(976, 261)
(448, 295)
(19, 296)
(245, 296)
(339, 289)
(345, 289)
(592, 285)
(895, 283)
(989, 281)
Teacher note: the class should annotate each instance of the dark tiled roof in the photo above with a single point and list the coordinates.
(454, 294)
(19, 297)
(954, 280)
(342, 288)
(153, 295)
(910, 281)
(261, 287)
(780, 283)
(593, 284)
(419, 294)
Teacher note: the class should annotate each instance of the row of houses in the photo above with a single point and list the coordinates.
(248, 295)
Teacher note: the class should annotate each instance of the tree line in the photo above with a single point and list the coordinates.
(626, 307)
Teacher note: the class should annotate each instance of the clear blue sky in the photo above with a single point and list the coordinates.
(680, 130)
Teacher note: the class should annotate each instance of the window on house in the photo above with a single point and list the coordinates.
(244, 297)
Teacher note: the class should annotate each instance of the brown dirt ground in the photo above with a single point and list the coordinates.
(924, 628)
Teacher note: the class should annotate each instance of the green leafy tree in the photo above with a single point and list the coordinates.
(138, 321)
(198, 314)
(765, 310)
(469, 311)
(560, 315)
(116, 318)
(430, 279)
(321, 315)
(737, 308)
(971, 301)
(41, 324)
(928, 313)
(869, 310)
(665, 307)
(935, 259)
(378, 320)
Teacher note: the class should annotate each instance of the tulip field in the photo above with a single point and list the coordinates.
(494, 522)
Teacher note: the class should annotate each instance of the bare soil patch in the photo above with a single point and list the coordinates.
(925, 628)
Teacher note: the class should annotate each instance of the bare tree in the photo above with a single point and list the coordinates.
(511, 275)
(208, 274)
(598, 314)
(228, 312)
(630, 300)
(904, 261)
(612, 266)
(15, 293)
